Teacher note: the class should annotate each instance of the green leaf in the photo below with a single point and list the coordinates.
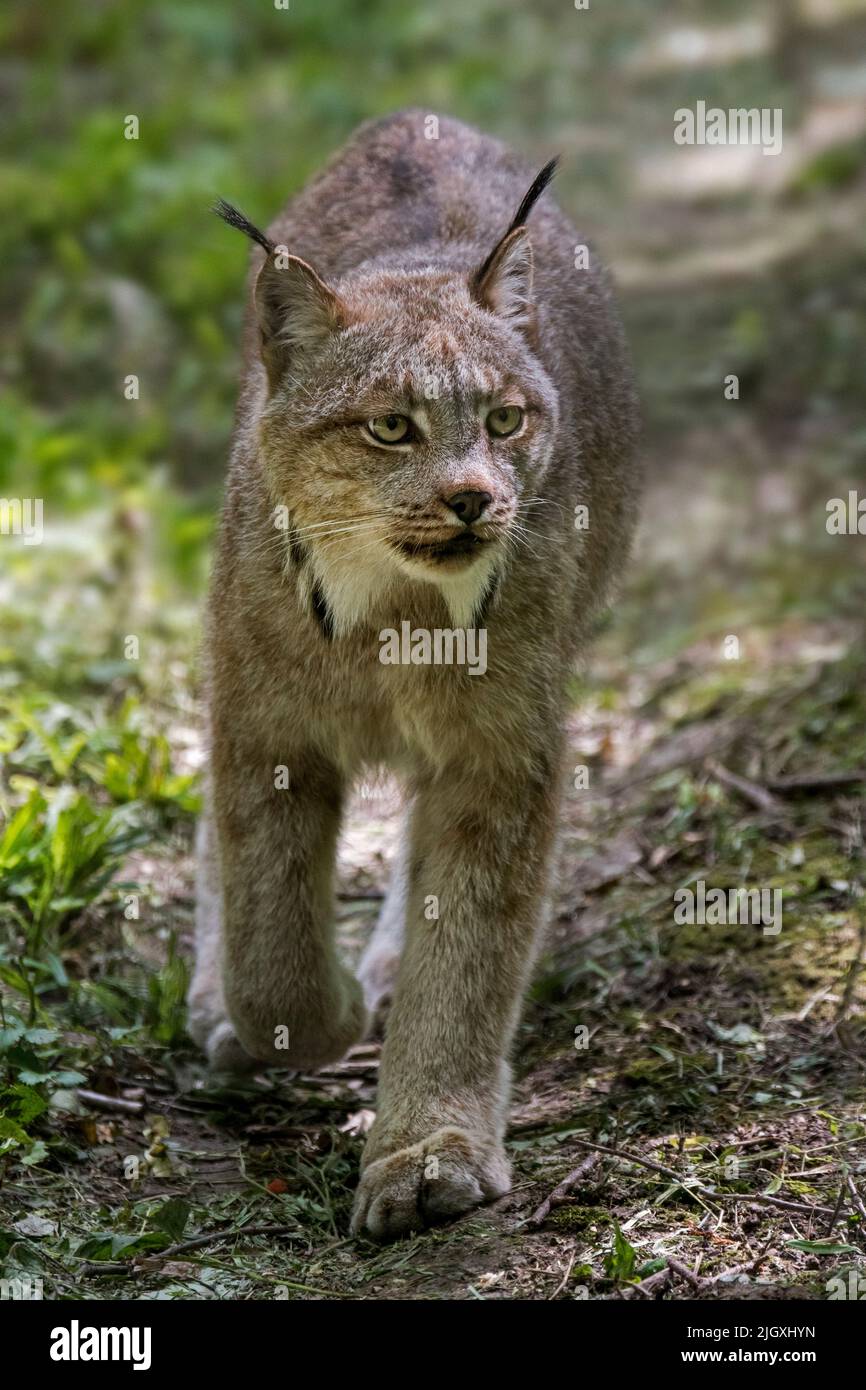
(10, 1129)
(740, 1035)
(68, 1078)
(12, 1033)
(619, 1263)
(26, 1102)
(40, 1035)
(37, 1153)
(171, 1217)
(105, 1245)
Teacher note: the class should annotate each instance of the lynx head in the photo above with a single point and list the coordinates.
(407, 415)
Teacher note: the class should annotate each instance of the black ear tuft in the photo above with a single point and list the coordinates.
(236, 219)
(530, 198)
(534, 192)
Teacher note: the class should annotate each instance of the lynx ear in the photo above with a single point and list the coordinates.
(504, 283)
(296, 309)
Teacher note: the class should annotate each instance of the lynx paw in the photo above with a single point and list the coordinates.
(224, 1052)
(377, 974)
(435, 1180)
(297, 1033)
(209, 1027)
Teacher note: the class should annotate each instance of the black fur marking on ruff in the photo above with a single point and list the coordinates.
(322, 612)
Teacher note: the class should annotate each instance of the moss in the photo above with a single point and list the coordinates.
(577, 1219)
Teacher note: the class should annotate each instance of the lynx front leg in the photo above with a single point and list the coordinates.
(291, 1002)
(208, 1020)
(478, 882)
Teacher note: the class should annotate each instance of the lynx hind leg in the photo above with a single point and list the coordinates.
(208, 1020)
(377, 971)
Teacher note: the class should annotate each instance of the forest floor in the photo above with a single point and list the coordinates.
(708, 1080)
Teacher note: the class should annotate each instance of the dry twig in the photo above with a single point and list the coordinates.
(541, 1214)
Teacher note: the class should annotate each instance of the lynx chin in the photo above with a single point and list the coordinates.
(430, 390)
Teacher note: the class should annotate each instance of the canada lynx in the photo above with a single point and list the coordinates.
(435, 434)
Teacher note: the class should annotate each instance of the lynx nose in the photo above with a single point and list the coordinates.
(468, 505)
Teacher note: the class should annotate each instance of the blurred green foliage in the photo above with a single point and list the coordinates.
(115, 267)
(114, 264)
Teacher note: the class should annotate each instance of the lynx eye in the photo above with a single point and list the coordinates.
(504, 420)
(390, 429)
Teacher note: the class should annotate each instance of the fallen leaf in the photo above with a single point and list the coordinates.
(359, 1123)
(609, 864)
(35, 1226)
(88, 1130)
